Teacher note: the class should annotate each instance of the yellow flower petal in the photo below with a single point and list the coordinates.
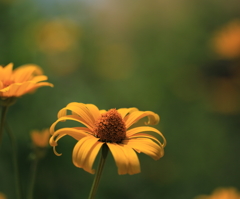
(144, 135)
(24, 79)
(26, 72)
(146, 146)
(136, 130)
(33, 86)
(85, 151)
(80, 110)
(39, 78)
(91, 157)
(69, 117)
(16, 89)
(119, 157)
(133, 161)
(94, 111)
(76, 133)
(7, 71)
(124, 111)
(133, 117)
(1, 84)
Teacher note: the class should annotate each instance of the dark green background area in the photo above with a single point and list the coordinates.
(153, 55)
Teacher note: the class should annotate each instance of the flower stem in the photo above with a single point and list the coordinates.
(3, 118)
(32, 177)
(15, 161)
(99, 172)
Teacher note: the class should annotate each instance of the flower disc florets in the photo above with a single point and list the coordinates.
(110, 127)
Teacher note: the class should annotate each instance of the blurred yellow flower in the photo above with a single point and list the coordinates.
(222, 193)
(226, 41)
(25, 79)
(57, 35)
(2, 196)
(40, 138)
(110, 128)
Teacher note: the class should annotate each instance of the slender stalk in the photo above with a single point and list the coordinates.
(3, 118)
(99, 172)
(32, 177)
(15, 161)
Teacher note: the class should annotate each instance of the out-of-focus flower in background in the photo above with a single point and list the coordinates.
(25, 79)
(40, 138)
(2, 196)
(6, 2)
(40, 141)
(226, 40)
(222, 193)
(59, 41)
(222, 84)
(110, 128)
(222, 75)
(115, 61)
(57, 35)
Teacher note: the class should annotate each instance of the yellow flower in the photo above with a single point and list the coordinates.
(40, 138)
(222, 193)
(110, 128)
(2, 196)
(226, 41)
(25, 79)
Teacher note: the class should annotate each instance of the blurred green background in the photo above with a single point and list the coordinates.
(176, 58)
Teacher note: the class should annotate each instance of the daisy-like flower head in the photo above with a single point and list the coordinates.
(113, 129)
(222, 193)
(24, 79)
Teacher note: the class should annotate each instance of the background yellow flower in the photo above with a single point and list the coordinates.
(222, 193)
(40, 138)
(2, 196)
(24, 79)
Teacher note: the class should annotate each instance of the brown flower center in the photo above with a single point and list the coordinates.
(110, 127)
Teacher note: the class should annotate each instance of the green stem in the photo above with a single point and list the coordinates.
(3, 118)
(32, 177)
(99, 172)
(15, 162)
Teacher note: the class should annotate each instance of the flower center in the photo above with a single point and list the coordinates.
(7, 83)
(110, 127)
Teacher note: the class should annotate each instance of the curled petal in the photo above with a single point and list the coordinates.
(69, 117)
(134, 117)
(82, 111)
(137, 130)
(76, 133)
(146, 146)
(53, 143)
(144, 135)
